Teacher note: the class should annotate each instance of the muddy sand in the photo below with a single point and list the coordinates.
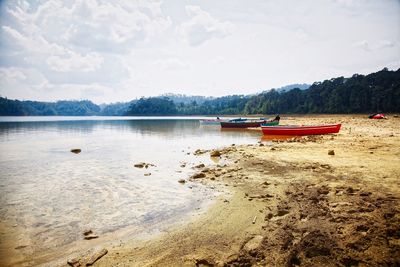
(292, 203)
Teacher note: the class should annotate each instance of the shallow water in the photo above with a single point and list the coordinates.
(50, 195)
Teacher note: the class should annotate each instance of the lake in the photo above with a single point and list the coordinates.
(49, 195)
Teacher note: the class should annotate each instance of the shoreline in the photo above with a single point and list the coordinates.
(284, 202)
(308, 207)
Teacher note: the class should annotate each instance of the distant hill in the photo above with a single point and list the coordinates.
(180, 98)
(289, 87)
(36, 108)
(376, 92)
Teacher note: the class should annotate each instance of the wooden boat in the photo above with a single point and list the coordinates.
(245, 123)
(300, 129)
(211, 121)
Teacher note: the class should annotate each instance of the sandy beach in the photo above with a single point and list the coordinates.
(291, 203)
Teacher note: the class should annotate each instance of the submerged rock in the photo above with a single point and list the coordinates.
(76, 150)
(143, 165)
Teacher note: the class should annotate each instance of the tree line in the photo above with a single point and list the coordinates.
(376, 92)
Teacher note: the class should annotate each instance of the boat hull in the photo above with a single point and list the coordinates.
(211, 122)
(243, 124)
(301, 130)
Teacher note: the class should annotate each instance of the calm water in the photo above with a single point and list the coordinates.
(50, 195)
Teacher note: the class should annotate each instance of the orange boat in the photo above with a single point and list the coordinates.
(300, 129)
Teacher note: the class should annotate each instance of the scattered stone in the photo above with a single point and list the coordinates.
(331, 152)
(90, 236)
(74, 262)
(253, 243)
(261, 144)
(199, 152)
(143, 165)
(96, 256)
(200, 166)
(273, 148)
(76, 150)
(139, 165)
(198, 175)
(282, 212)
(147, 174)
(181, 181)
(215, 153)
(205, 170)
(87, 232)
(226, 201)
(269, 216)
(183, 165)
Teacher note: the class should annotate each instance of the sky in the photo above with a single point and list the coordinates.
(109, 51)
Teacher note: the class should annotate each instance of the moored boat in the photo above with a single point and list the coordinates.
(242, 124)
(211, 121)
(301, 129)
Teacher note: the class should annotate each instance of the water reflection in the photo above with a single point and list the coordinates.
(50, 195)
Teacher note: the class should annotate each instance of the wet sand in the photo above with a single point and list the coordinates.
(290, 203)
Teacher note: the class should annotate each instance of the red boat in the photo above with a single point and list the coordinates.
(377, 116)
(300, 129)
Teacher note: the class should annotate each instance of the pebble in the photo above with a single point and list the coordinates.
(76, 150)
(215, 153)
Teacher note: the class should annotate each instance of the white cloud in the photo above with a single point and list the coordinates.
(202, 27)
(374, 46)
(75, 62)
(171, 64)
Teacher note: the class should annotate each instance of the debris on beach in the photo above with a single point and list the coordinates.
(331, 152)
(76, 150)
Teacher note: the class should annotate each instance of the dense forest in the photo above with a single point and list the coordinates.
(376, 92)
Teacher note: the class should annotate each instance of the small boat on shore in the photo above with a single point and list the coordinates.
(247, 123)
(211, 121)
(300, 129)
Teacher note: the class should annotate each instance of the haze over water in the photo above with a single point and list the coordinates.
(49, 195)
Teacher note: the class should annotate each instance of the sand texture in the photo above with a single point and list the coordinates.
(292, 203)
